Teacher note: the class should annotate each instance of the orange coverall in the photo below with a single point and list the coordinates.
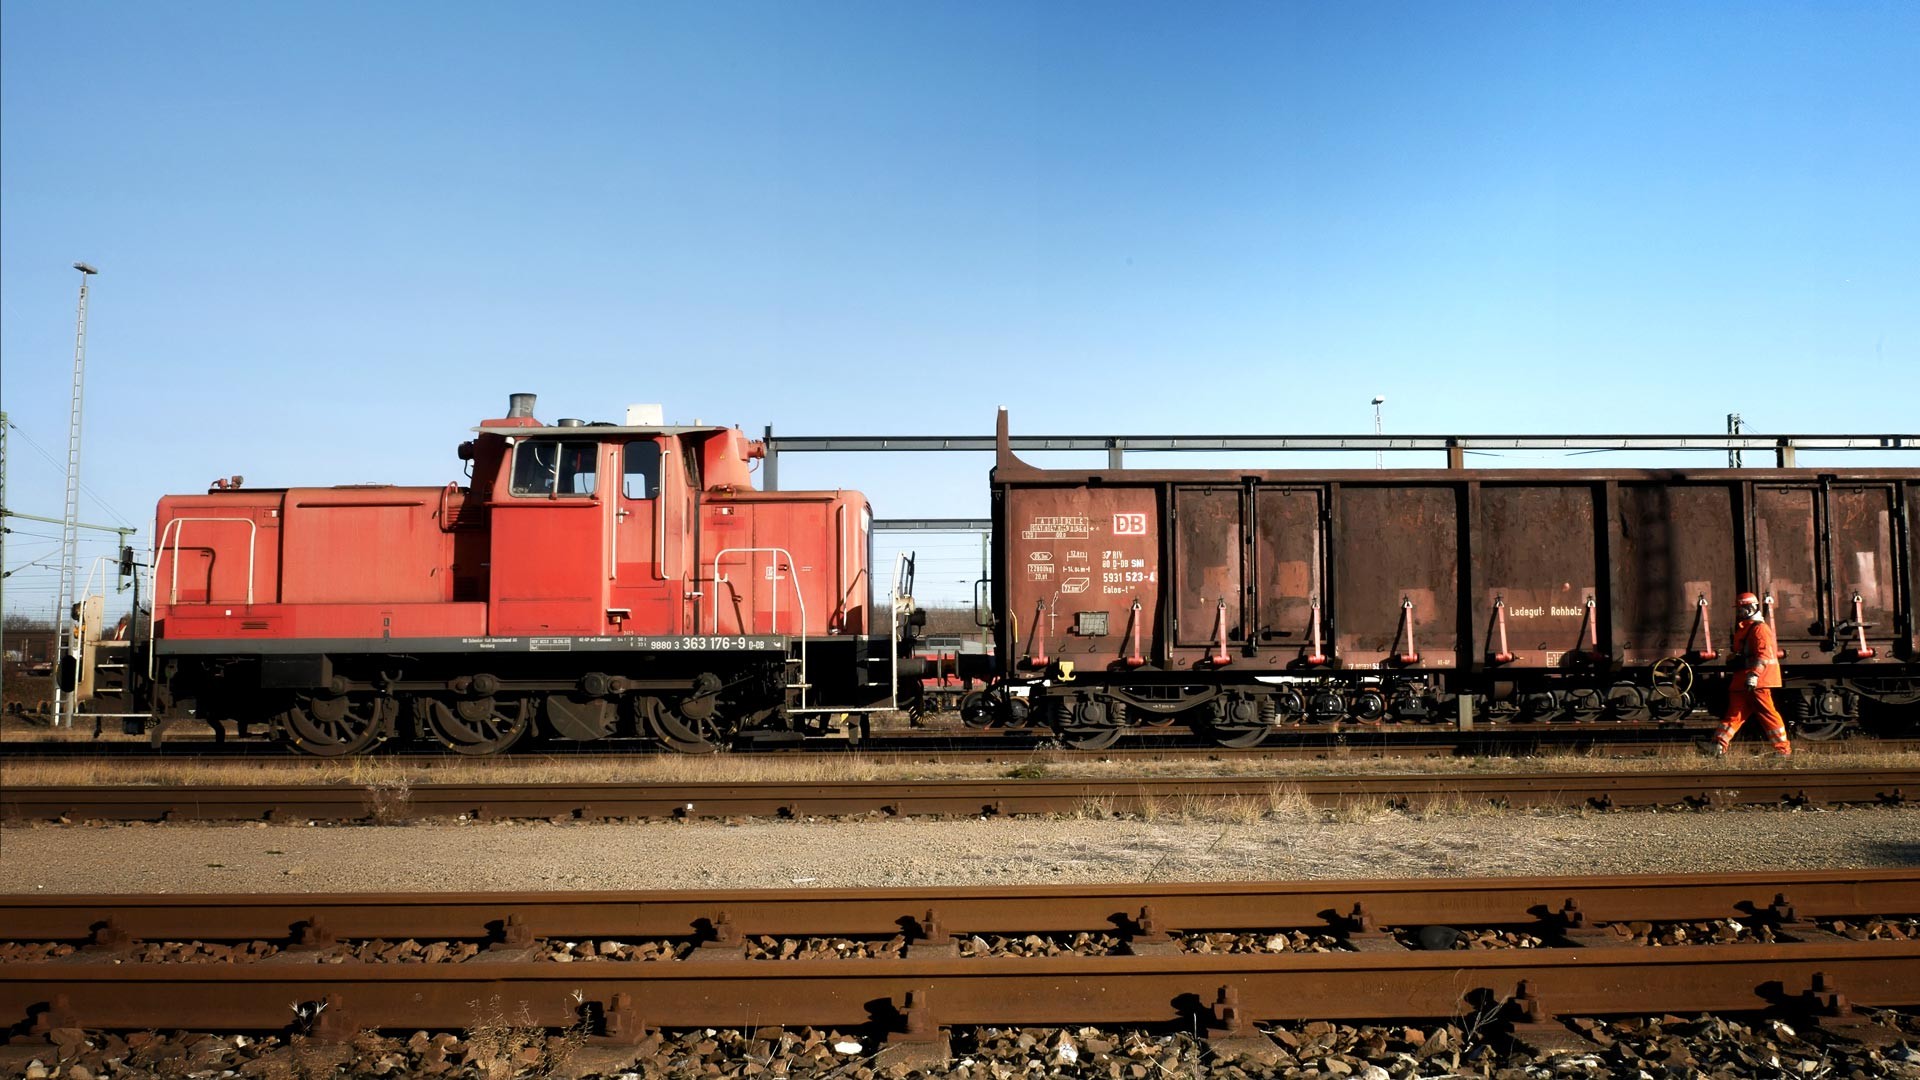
(1754, 653)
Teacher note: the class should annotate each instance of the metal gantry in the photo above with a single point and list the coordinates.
(1455, 447)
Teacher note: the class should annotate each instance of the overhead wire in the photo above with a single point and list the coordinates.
(85, 487)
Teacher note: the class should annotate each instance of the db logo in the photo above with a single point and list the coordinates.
(1129, 524)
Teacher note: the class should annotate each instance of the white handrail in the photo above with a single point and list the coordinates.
(893, 622)
(799, 597)
(659, 501)
(99, 567)
(174, 529)
(900, 603)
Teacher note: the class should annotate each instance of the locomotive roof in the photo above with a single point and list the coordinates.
(604, 429)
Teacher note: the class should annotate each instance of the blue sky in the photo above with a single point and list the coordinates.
(332, 237)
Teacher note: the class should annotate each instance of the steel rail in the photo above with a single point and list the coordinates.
(1599, 790)
(1506, 901)
(1571, 976)
(1706, 978)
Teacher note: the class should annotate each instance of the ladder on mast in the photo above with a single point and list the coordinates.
(69, 521)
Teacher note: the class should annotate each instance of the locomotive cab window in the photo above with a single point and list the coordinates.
(552, 467)
(640, 471)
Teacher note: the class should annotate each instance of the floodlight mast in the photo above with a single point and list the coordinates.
(1379, 456)
(69, 522)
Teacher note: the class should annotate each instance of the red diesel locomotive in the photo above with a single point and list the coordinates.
(593, 580)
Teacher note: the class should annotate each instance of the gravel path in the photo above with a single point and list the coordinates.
(918, 852)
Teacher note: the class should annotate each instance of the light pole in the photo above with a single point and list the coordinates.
(1379, 456)
(69, 529)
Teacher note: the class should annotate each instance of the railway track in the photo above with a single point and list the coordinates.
(963, 745)
(719, 799)
(933, 959)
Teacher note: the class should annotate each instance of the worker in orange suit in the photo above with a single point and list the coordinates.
(1755, 664)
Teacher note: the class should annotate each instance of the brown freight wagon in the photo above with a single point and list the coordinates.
(1247, 601)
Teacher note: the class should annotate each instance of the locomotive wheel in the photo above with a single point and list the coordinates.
(1091, 738)
(479, 726)
(693, 724)
(686, 734)
(329, 726)
(1820, 730)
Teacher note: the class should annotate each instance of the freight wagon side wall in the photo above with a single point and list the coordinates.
(1396, 575)
(1421, 573)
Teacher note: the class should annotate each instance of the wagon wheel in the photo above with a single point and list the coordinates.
(1893, 692)
(1236, 725)
(1820, 730)
(1091, 738)
(977, 710)
(1805, 716)
(1014, 712)
(329, 726)
(478, 726)
(1237, 738)
(692, 725)
(993, 708)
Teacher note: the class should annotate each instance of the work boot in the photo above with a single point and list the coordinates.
(1710, 748)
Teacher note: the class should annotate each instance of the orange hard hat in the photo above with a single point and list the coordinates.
(1747, 598)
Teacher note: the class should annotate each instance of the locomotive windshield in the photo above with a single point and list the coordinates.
(554, 467)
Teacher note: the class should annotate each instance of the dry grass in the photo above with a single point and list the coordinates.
(1096, 809)
(499, 1046)
(391, 802)
(1287, 802)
